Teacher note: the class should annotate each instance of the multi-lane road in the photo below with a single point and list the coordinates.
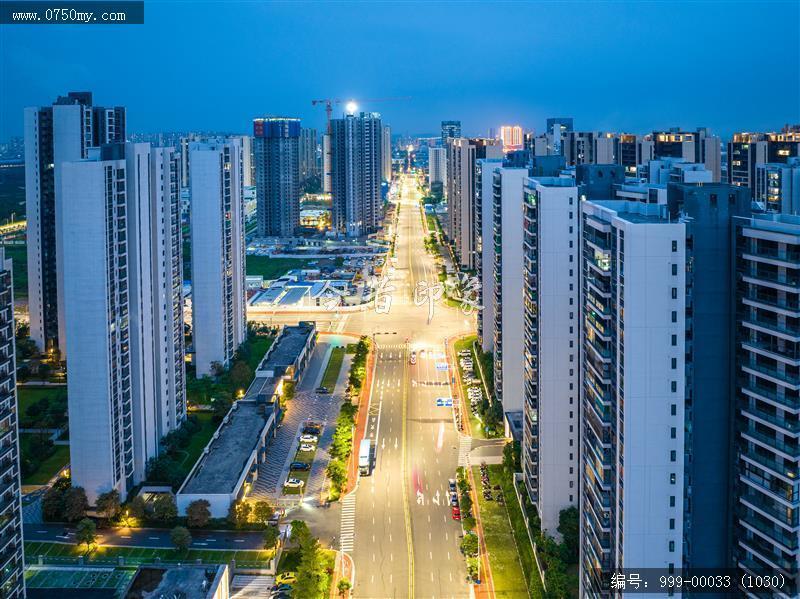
(398, 527)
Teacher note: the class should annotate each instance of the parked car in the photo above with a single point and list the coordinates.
(293, 483)
(456, 513)
(299, 466)
(322, 390)
(452, 484)
(306, 447)
(308, 438)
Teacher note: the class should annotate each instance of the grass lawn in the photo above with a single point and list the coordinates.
(199, 440)
(258, 347)
(65, 578)
(507, 572)
(307, 457)
(63, 553)
(19, 259)
(27, 396)
(475, 424)
(49, 467)
(334, 367)
(272, 268)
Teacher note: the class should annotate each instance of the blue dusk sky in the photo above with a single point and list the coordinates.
(622, 66)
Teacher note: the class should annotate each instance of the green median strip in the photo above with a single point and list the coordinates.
(334, 367)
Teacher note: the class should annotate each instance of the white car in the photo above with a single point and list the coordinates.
(306, 447)
(308, 439)
(293, 483)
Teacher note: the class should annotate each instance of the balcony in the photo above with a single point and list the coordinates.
(768, 302)
(784, 423)
(770, 326)
(783, 378)
(788, 541)
(789, 282)
(766, 394)
(772, 442)
(774, 466)
(770, 509)
(788, 353)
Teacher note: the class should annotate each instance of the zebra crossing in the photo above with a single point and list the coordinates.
(348, 524)
(464, 447)
(243, 586)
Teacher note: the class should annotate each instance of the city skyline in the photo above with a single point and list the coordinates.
(637, 46)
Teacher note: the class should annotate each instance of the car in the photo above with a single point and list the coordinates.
(308, 438)
(454, 499)
(286, 578)
(293, 483)
(322, 390)
(312, 430)
(413, 357)
(456, 513)
(452, 485)
(299, 466)
(306, 447)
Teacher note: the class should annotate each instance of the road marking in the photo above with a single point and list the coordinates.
(153, 538)
(235, 541)
(125, 536)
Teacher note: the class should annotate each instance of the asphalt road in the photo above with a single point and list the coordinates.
(148, 537)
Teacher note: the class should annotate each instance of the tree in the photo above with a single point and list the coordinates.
(568, 523)
(181, 538)
(271, 536)
(310, 573)
(137, 508)
(164, 469)
(241, 375)
(75, 504)
(344, 587)
(239, 513)
(108, 505)
(511, 457)
(300, 532)
(469, 545)
(53, 504)
(85, 532)
(262, 512)
(197, 513)
(164, 508)
(337, 472)
(468, 522)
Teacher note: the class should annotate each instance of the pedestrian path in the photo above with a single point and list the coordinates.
(251, 586)
(464, 447)
(348, 527)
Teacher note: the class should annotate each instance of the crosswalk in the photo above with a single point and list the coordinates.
(348, 524)
(251, 586)
(464, 447)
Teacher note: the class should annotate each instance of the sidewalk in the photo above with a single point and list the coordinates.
(361, 422)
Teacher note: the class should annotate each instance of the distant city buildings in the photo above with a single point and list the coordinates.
(437, 166)
(123, 311)
(12, 580)
(277, 166)
(511, 137)
(309, 150)
(450, 130)
(777, 188)
(218, 265)
(356, 168)
(54, 134)
(746, 150)
(386, 153)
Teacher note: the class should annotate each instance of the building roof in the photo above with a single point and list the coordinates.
(224, 459)
(287, 347)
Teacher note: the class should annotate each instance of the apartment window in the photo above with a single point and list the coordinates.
(570, 442)
(570, 456)
(571, 427)
(571, 315)
(570, 330)
(674, 293)
(674, 363)
(673, 456)
(570, 229)
(672, 523)
(672, 501)
(674, 270)
(570, 203)
(672, 545)
(673, 408)
(571, 484)
(671, 570)
(571, 343)
(674, 340)
(713, 199)
(570, 415)
(672, 478)
(570, 243)
(571, 470)
(570, 215)
(571, 358)
(674, 316)
(673, 432)
(570, 286)
(674, 245)
(570, 301)
(674, 387)
(571, 372)
(570, 272)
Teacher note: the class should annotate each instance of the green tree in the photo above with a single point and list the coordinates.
(469, 545)
(511, 457)
(568, 523)
(337, 472)
(198, 513)
(240, 375)
(75, 504)
(86, 532)
(239, 513)
(468, 522)
(181, 538)
(344, 587)
(271, 536)
(262, 512)
(53, 504)
(300, 532)
(137, 508)
(108, 504)
(311, 577)
(164, 508)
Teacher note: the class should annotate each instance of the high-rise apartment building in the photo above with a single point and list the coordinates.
(556, 128)
(698, 146)
(633, 151)
(767, 485)
(437, 165)
(777, 186)
(356, 150)
(12, 581)
(450, 130)
(674, 170)
(511, 137)
(277, 162)
(55, 134)
(645, 432)
(308, 154)
(462, 154)
(746, 150)
(484, 247)
(507, 272)
(578, 147)
(386, 153)
(219, 322)
(551, 278)
(123, 303)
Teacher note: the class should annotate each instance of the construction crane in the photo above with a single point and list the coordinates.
(329, 102)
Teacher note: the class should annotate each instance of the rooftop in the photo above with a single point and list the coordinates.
(226, 456)
(187, 582)
(287, 346)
